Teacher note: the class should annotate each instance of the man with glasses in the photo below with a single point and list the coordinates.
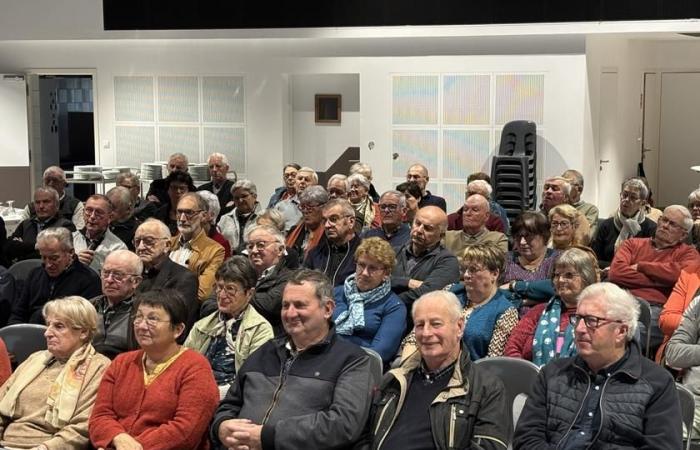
(306, 177)
(475, 214)
(307, 233)
(338, 186)
(392, 210)
(121, 275)
(94, 242)
(152, 244)
(219, 185)
(289, 177)
(191, 248)
(158, 189)
(650, 267)
(609, 395)
(143, 209)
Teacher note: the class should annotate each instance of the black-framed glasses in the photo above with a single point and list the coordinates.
(151, 321)
(591, 322)
(231, 290)
(188, 213)
(310, 206)
(119, 277)
(371, 269)
(147, 241)
(388, 207)
(631, 196)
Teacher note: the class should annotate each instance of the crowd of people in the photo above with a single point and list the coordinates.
(341, 317)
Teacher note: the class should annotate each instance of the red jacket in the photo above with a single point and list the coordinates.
(657, 270)
(683, 293)
(172, 413)
(519, 343)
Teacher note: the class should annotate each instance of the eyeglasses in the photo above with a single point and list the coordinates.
(361, 267)
(563, 225)
(147, 241)
(260, 245)
(151, 321)
(290, 175)
(629, 196)
(116, 276)
(527, 236)
(231, 290)
(566, 276)
(310, 207)
(663, 220)
(98, 213)
(473, 269)
(591, 322)
(188, 213)
(334, 219)
(388, 207)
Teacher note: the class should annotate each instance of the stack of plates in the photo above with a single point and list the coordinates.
(122, 169)
(199, 172)
(85, 176)
(151, 171)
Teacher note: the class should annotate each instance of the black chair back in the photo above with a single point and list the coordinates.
(23, 339)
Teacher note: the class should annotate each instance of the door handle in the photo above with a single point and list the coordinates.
(601, 162)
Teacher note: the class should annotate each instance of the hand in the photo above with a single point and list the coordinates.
(123, 441)
(414, 284)
(153, 199)
(248, 435)
(17, 239)
(86, 256)
(227, 430)
(505, 287)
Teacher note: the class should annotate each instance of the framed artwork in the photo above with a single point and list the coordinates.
(327, 108)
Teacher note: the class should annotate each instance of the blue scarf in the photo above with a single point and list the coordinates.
(544, 344)
(353, 318)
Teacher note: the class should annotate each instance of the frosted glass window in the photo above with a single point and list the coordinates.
(466, 99)
(179, 140)
(415, 100)
(133, 99)
(453, 193)
(135, 144)
(414, 146)
(230, 142)
(178, 99)
(223, 100)
(519, 97)
(464, 152)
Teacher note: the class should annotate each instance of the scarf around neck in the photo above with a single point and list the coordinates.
(628, 227)
(353, 318)
(544, 344)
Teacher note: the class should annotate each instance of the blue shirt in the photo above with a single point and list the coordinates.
(396, 240)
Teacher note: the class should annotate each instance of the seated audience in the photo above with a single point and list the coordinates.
(229, 335)
(366, 312)
(694, 207)
(306, 176)
(366, 211)
(424, 264)
(69, 207)
(365, 170)
(191, 248)
(246, 209)
(555, 191)
(412, 192)
(475, 214)
(289, 177)
(219, 185)
(650, 267)
(5, 364)
(177, 184)
(489, 317)
(418, 174)
(609, 395)
(306, 411)
(123, 223)
(158, 189)
(478, 183)
(60, 275)
(152, 242)
(22, 244)
(209, 221)
(438, 398)
(46, 403)
(338, 186)
(308, 232)
(334, 254)
(568, 227)
(589, 210)
(392, 210)
(121, 275)
(94, 242)
(161, 396)
(545, 332)
(628, 221)
(143, 209)
(684, 291)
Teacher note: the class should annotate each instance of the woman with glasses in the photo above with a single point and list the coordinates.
(227, 336)
(177, 184)
(307, 233)
(46, 402)
(161, 396)
(413, 194)
(246, 209)
(366, 211)
(568, 227)
(694, 208)
(630, 220)
(366, 311)
(545, 332)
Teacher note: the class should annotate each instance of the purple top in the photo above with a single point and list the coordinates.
(514, 271)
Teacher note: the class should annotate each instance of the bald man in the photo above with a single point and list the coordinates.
(418, 173)
(475, 214)
(424, 264)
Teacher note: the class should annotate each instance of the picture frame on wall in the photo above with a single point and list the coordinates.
(327, 108)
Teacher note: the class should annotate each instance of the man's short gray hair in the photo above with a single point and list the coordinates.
(363, 168)
(272, 231)
(323, 288)
(314, 175)
(246, 185)
(619, 304)
(314, 194)
(340, 177)
(454, 307)
(694, 197)
(127, 176)
(120, 198)
(212, 202)
(638, 185)
(197, 197)
(479, 187)
(344, 204)
(687, 217)
(50, 191)
(221, 156)
(574, 177)
(163, 230)
(60, 234)
(565, 185)
(54, 170)
(400, 195)
(135, 264)
(359, 178)
(273, 216)
(181, 156)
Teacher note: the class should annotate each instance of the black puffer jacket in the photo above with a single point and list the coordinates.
(640, 408)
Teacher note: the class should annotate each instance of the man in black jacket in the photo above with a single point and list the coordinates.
(61, 275)
(220, 184)
(607, 397)
(308, 390)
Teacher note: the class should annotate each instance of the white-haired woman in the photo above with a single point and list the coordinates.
(366, 211)
(246, 208)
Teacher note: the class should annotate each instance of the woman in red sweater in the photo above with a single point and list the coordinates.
(162, 396)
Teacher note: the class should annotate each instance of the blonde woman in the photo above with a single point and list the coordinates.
(568, 227)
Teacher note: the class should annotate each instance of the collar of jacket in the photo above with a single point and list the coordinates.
(70, 268)
(319, 347)
(196, 242)
(631, 367)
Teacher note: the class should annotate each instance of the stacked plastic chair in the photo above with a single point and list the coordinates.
(514, 169)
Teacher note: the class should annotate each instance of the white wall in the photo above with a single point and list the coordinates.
(14, 137)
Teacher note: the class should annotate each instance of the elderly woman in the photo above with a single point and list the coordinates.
(227, 336)
(629, 221)
(307, 233)
(162, 396)
(568, 227)
(413, 195)
(177, 184)
(366, 211)
(366, 311)
(694, 208)
(46, 403)
(544, 333)
(246, 209)
(209, 221)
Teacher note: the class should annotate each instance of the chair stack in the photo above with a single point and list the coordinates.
(514, 169)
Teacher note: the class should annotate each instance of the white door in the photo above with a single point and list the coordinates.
(14, 140)
(609, 175)
(650, 130)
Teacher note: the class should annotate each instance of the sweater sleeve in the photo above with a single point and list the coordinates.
(445, 271)
(678, 301)
(504, 327)
(103, 425)
(621, 272)
(667, 272)
(387, 339)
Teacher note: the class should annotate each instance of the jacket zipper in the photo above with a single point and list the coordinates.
(588, 388)
(602, 413)
(453, 421)
(347, 252)
(275, 396)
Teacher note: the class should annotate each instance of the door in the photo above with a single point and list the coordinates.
(609, 176)
(14, 140)
(650, 130)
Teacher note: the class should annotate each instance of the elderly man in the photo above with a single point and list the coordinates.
(365, 170)
(246, 209)
(418, 173)
(289, 177)
(650, 267)
(289, 208)
(335, 254)
(152, 243)
(121, 275)
(191, 248)
(143, 209)
(94, 242)
(22, 244)
(589, 210)
(338, 186)
(392, 210)
(60, 275)
(475, 213)
(68, 207)
(158, 190)
(209, 222)
(424, 264)
(609, 396)
(555, 191)
(322, 398)
(219, 184)
(307, 233)
(498, 219)
(419, 400)
(124, 222)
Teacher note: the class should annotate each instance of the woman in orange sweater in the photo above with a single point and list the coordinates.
(162, 396)
(683, 293)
